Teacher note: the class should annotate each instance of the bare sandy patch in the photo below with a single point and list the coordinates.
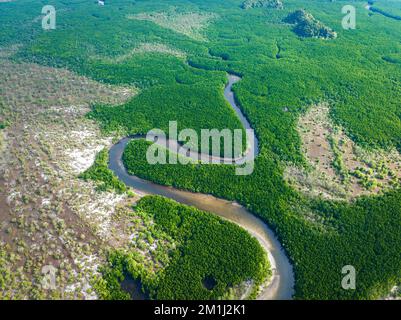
(43, 87)
(394, 294)
(339, 168)
(82, 158)
(190, 24)
(144, 48)
(47, 215)
(6, 52)
(314, 183)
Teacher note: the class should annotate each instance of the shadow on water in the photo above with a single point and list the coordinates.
(209, 282)
(134, 288)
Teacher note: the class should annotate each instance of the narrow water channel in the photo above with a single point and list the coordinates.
(282, 281)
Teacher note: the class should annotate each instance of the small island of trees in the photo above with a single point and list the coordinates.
(306, 25)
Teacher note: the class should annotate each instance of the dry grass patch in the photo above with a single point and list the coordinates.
(191, 24)
(29, 84)
(6, 52)
(340, 169)
(48, 215)
(144, 48)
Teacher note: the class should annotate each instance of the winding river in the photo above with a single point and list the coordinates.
(282, 281)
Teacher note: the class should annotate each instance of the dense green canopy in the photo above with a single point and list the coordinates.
(358, 73)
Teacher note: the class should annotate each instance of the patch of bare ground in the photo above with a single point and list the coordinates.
(394, 294)
(339, 168)
(47, 215)
(241, 291)
(190, 24)
(144, 48)
(6, 52)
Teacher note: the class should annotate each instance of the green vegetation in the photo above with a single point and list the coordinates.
(307, 26)
(373, 175)
(174, 102)
(350, 73)
(177, 101)
(207, 247)
(100, 173)
(247, 4)
(108, 286)
(4, 123)
(351, 229)
(338, 162)
(7, 278)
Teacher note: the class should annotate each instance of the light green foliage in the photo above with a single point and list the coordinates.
(176, 102)
(102, 175)
(338, 162)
